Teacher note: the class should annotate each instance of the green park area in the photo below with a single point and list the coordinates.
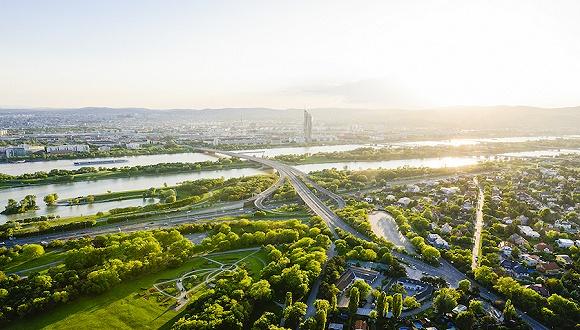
(135, 304)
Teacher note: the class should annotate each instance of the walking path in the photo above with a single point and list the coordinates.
(210, 273)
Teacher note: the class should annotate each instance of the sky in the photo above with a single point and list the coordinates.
(289, 54)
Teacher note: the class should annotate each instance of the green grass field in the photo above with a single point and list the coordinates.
(131, 305)
(47, 258)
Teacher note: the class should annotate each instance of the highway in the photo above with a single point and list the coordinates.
(227, 209)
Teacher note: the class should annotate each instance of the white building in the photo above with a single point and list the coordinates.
(66, 148)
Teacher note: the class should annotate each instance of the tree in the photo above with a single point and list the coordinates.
(30, 251)
(333, 298)
(50, 199)
(380, 306)
(465, 320)
(430, 254)
(411, 302)
(464, 286)
(363, 287)
(353, 302)
(90, 199)
(265, 321)
(322, 307)
(397, 305)
(476, 307)
(509, 311)
(485, 275)
(294, 314)
(445, 300)
(260, 290)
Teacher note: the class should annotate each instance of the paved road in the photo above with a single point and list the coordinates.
(229, 209)
(478, 227)
(385, 226)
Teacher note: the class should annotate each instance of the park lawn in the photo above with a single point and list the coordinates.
(255, 264)
(120, 308)
(20, 264)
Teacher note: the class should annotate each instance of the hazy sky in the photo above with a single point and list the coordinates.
(195, 54)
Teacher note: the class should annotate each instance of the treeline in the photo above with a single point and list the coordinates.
(59, 175)
(93, 266)
(334, 179)
(26, 204)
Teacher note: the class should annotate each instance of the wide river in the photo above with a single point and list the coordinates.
(190, 157)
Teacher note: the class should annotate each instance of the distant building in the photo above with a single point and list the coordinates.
(11, 152)
(67, 148)
(307, 127)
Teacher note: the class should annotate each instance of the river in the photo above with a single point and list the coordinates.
(83, 188)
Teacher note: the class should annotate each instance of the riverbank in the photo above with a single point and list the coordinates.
(489, 149)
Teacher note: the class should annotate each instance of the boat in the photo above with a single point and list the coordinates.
(100, 162)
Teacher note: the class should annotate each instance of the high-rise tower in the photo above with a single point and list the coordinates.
(307, 127)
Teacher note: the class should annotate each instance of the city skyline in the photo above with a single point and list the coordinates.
(397, 54)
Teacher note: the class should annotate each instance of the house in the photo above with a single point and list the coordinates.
(563, 225)
(516, 269)
(404, 201)
(458, 309)
(412, 188)
(548, 268)
(564, 243)
(564, 259)
(450, 190)
(437, 241)
(467, 206)
(528, 231)
(505, 248)
(352, 274)
(530, 260)
(517, 239)
(523, 219)
(540, 289)
(543, 247)
(446, 228)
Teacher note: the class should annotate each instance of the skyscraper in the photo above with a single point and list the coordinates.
(307, 127)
